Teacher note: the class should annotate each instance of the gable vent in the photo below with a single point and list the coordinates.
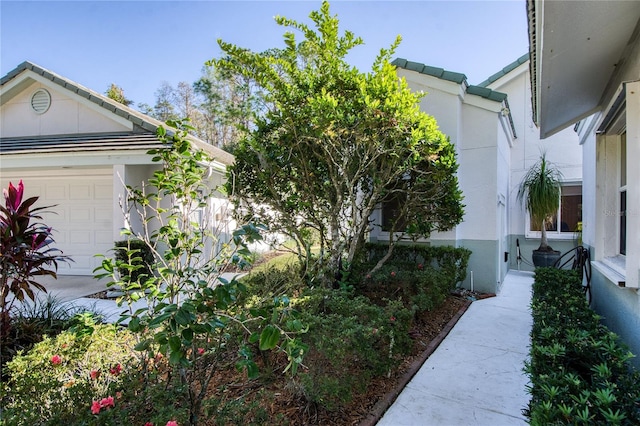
(40, 101)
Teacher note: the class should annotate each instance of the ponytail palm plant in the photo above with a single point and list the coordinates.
(540, 191)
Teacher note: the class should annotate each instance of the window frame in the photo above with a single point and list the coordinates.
(557, 234)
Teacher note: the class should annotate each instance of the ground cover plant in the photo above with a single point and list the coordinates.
(579, 370)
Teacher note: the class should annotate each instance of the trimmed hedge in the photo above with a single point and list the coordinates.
(579, 370)
(420, 276)
(450, 261)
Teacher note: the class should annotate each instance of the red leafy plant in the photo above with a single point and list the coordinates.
(25, 251)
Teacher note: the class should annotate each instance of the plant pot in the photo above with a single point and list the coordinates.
(543, 259)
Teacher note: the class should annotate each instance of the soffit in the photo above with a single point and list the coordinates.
(576, 47)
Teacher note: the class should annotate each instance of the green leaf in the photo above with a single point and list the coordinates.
(184, 317)
(176, 357)
(254, 337)
(143, 345)
(134, 324)
(269, 338)
(187, 335)
(175, 343)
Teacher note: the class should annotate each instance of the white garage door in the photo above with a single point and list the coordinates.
(82, 218)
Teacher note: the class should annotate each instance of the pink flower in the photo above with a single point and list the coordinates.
(94, 374)
(392, 319)
(107, 402)
(95, 407)
(115, 370)
(200, 351)
(172, 423)
(56, 360)
(368, 276)
(393, 274)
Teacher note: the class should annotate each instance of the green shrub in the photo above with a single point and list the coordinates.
(451, 261)
(578, 369)
(57, 381)
(32, 320)
(134, 259)
(350, 341)
(420, 275)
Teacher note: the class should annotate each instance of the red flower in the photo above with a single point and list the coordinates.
(95, 407)
(115, 370)
(392, 319)
(200, 351)
(94, 374)
(148, 424)
(107, 402)
(420, 266)
(56, 360)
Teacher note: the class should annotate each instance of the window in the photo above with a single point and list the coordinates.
(569, 214)
(622, 231)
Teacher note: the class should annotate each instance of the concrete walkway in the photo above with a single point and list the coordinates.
(475, 376)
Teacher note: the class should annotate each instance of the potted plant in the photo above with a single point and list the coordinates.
(540, 192)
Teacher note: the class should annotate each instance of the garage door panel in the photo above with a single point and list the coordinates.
(55, 192)
(103, 192)
(81, 216)
(80, 192)
(104, 214)
(104, 237)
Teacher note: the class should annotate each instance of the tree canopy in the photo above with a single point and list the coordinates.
(330, 144)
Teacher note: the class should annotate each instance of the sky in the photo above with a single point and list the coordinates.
(140, 44)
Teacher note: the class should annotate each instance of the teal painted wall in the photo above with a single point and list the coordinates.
(618, 307)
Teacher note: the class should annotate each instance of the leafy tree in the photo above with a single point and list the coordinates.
(226, 102)
(164, 108)
(116, 93)
(193, 314)
(331, 144)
